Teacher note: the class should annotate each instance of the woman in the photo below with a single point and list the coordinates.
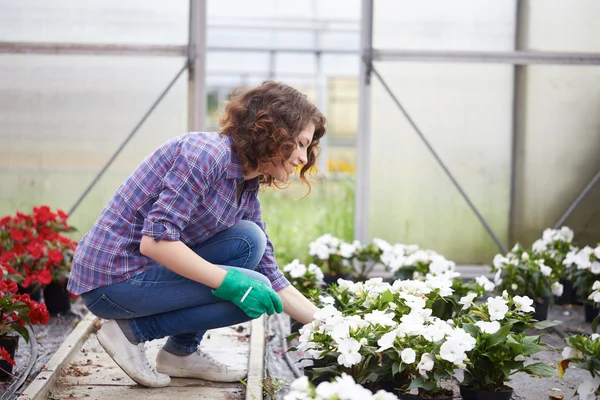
(181, 247)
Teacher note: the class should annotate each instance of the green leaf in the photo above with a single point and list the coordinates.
(21, 330)
(531, 345)
(545, 324)
(499, 336)
(395, 368)
(595, 323)
(539, 369)
(387, 297)
(421, 383)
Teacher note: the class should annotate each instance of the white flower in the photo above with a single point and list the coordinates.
(295, 269)
(408, 356)
(525, 256)
(426, 364)
(347, 250)
(485, 283)
(383, 395)
(326, 390)
(595, 336)
(327, 300)
(596, 285)
(520, 357)
(386, 340)
(500, 261)
(497, 308)
(349, 354)
(453, 352)
(514, 286)
(382, 244)
(320, 250)
(597, 252)
(488, 327)
(300, 384)
(546, 271)
(498, 278)
(570, 353)
(467, 301)
(523, 304)
(539, 246)
(557, 289)
(382, 318)
(587, 388)
(595, 268)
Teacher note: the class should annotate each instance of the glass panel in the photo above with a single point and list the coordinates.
(444, 25)
(559, 132)
(63, 117)
(465, 113)
(95, 21)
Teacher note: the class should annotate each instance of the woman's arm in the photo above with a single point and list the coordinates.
(296, 305)
(182, 260)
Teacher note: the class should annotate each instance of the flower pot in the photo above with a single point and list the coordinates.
(444, 395)
(477, 394)
(57, 298)
(569, 294)
(10, 344)
(591, 312)
(541, 309)
(34, 292)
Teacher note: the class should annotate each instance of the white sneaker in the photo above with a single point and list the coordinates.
(130, 357)
(197, 365)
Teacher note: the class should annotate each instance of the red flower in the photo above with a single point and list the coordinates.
(44, 276)
(35, 249)
(55, 256)
(8, 287)
(5, 356)
(39, 314)
(17, 235)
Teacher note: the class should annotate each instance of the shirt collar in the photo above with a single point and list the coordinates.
(236, 168)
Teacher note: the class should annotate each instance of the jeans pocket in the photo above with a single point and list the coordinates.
(105, 308)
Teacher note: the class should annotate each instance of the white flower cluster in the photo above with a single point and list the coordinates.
(326, 245)
(397, 256)
(342, 388)
(595, 295)
(587, 388)
(500, 262)
(587, 258)
(298, 270)
(550, 237)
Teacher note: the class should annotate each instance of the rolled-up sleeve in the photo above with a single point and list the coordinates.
(268, 264)
(184, 186)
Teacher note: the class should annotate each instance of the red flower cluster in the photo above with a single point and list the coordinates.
(17, 310)
(32, 246)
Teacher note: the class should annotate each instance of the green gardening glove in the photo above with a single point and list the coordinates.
(251, 295)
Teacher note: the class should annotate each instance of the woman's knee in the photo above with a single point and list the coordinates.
(253, 233)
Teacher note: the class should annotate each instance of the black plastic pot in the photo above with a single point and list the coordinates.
(35, 293)
(475, 394)
(403, 396)
(10, 344)
(569, 295)
(591, 312)
(57, 298)
(541, 309)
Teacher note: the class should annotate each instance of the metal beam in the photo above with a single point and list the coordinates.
(363, 139)
(493, 57)
(197, 66)
(93, 49)
(577, 201)
(142, 49)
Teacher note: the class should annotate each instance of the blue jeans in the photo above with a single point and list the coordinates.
(161, 303)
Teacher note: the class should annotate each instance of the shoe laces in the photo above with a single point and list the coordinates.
(149, 368)
(208, 357)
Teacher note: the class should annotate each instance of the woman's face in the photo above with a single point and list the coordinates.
(297, 158)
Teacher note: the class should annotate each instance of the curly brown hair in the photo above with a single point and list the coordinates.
(264, 124)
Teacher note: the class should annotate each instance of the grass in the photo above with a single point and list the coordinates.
(293, 222)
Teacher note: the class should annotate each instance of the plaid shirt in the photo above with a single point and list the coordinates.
(185, 190)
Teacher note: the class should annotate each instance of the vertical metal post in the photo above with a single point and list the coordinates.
(197, 66)
(516, 138)
(363, 140)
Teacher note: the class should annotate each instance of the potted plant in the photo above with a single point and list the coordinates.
(411, 262)
(583, 351)
(334, 256)
(34, 246)
(341, 388)
(308, 281)
(16, 311)
(522, 273)
(501, 347)
(362, 328)
(585, 271)
(553, 247)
